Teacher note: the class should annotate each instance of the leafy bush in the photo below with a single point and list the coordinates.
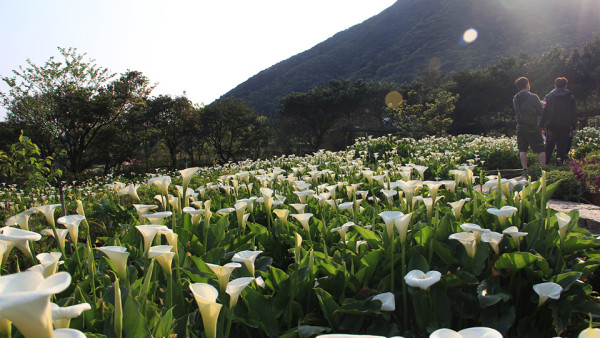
(569, 188)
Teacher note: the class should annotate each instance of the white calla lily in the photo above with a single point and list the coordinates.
(419, 279)
(235, 288)
(25, 300)
(118, 256)
(247, 257)
(388, 301)
(61, 316)
(547, 290)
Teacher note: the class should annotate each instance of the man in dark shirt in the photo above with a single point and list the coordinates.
(560, 120)
(528, 113)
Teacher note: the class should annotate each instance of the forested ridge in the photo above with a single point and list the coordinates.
(411, 36)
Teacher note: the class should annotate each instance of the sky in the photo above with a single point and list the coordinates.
(203, 48)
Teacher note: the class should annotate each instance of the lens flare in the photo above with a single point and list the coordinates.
(393, 99)
(470, 35)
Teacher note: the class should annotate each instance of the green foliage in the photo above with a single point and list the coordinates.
(233, 129)
(426, 117)
(23, 164)
(569, 188)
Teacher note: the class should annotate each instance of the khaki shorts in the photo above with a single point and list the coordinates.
(530, 136)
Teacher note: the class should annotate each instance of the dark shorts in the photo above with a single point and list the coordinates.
(530, 136)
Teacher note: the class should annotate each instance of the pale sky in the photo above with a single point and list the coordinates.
(202, 47)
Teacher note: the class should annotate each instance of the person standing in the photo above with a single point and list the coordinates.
(528, 114)
(560, 120)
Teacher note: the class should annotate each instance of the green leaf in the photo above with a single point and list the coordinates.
(424, 235)
(372, 239)
(566, 279)
(418, 262)
(328, 306)
(516, 260)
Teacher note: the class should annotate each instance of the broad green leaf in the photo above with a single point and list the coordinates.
(516, 260)
(328, 306)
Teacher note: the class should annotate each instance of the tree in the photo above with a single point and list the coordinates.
(66, 104)
(171, 118)
(431, 116)
(234, 129)
(315, 113)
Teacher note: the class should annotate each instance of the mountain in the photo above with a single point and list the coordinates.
(404, 40)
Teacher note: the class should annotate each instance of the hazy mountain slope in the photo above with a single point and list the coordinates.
(412, 35)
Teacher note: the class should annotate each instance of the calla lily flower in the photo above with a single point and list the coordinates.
(472, 332)
(61, 316)
(475, 229)
(48, 211)
(457, 206)
(25, 300)
(223, 273)
(207, 212)
(433, 188)
(71, 222)
(130, 190)
(563, 222)
(343, 229)
(590, 332)
(421, 170)
(142, 209)
(19, 238)
(345, 205)
(267, 198)
(157, 217)
(162, 183)
(61, 233)
(21, 219)
(419, 279)
(303, 219)
(388, 301)
(68, 333)
(450, 185)
(195, 213)
(225, 211)
(467, 239)
(389, 195)
(164, 256)
(282, 214)
(401, 224)
(389, 219)
(503, 213)
(148, 232)
(171, 237)
(235, 288)
(118, 256)
(493, 239)
(429, 202)
(247, 257)
(547, 290)
(187, 175)
(513, 232)
(206, 298)
(303, 195)
(49, 262)
(410, 189)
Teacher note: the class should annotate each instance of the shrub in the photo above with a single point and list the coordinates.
(569, 188)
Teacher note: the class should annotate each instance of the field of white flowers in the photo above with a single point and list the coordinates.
(391, 237)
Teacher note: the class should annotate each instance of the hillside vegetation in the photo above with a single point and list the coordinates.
(412, 36)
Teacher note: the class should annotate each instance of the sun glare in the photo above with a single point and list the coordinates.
(393, 99)
(470, 35)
